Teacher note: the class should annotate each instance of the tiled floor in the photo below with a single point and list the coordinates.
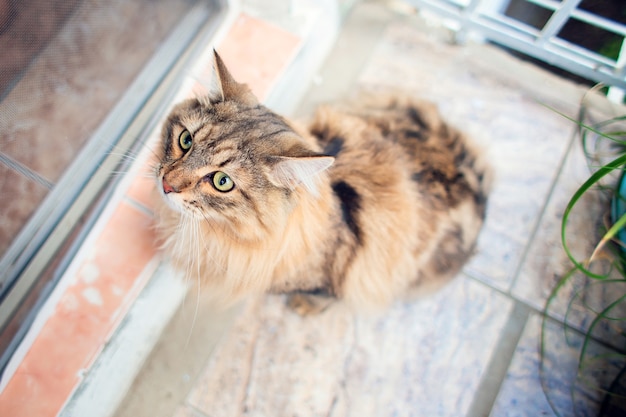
(474, 348)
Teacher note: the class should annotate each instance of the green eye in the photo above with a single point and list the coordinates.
(185, 140)
(222, 182)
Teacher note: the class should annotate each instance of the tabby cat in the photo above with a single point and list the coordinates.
(368, 204)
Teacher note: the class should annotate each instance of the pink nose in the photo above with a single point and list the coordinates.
(168, 188)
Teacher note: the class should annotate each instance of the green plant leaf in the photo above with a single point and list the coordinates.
(584, 126)
(609, 235)
(603, 314)
(593, 179)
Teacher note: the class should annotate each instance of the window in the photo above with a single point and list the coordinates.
(80, 83)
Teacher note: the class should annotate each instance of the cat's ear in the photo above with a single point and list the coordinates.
(227, 87)
(290, 172)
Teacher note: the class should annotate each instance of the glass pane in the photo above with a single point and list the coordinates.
(592, 38)
(73, 76)
(65, 65)
(528, 13)
(610, 9)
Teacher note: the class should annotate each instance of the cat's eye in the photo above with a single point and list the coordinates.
(185, 140)
(222, 182)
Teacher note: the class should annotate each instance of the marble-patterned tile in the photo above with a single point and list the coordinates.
(580, 299)
(187, 411)
(229, 366)
(523, 140)
(555, 383)
(417, 359)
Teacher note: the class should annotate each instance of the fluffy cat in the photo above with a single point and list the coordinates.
(368, 204)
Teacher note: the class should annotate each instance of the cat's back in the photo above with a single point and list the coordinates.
(413, 187)
(399, 138)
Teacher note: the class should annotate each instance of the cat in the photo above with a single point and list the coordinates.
(369, 204)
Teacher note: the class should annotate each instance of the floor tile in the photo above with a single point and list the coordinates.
(257, 63)
(420, 359)
(546, 260)
(570, 391)
(88, 309)
(580, 299)
(142, 188)
(187, 411)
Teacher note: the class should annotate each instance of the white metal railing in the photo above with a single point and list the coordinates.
(488, 18)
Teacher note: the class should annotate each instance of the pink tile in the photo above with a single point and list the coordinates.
(257, 52)
(142, 189)
(84, 318)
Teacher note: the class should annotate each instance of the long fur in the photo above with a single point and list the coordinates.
(368, 204)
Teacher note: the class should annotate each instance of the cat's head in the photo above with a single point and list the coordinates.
(227, 160)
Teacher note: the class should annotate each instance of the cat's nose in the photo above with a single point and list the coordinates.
(168, 188)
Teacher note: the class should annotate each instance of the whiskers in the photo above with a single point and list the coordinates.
(192, 246)
(128, 159)
(214, 260)
(190, 228)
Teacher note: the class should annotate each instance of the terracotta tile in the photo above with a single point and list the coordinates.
(86, 314)
(142, 187)
(143, 191)
(120, 255)
(20, 198)
(199, 88)
(257, 52)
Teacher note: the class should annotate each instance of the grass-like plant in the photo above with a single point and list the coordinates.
(599, 374)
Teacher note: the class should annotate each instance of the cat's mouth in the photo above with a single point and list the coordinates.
(178, 202)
